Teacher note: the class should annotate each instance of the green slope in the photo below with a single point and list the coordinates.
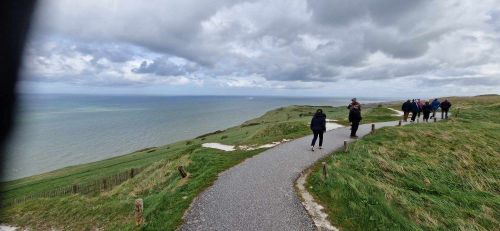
(436, 176)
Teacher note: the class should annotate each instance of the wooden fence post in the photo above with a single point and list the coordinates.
(324, 170)
(373, 128)
(139, 209)
(132, 173)
(345, 145)
(435, 119)
(182, 171)
(399, 124)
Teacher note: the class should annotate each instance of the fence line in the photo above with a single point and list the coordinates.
(96, 186)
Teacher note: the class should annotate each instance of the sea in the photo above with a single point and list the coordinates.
(54, 131)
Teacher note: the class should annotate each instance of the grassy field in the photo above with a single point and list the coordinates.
(166, 195)
(436, 176)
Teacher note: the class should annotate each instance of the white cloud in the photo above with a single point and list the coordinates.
(285, 44)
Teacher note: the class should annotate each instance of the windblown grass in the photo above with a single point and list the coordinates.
(436, 176)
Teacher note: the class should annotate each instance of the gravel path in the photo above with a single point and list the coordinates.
(258, 194)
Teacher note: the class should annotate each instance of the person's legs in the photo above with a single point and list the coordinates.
(433, 113)
(446, 114)
(314, 138)
(405, 116)
(413, 116)
(354, 128)
(442, 114)
(320, 139)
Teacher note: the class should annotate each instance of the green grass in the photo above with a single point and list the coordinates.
(436, 176)
(166, 195)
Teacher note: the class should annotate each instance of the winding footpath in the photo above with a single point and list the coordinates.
(259, 193)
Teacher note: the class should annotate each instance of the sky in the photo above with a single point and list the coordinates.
(383, 48)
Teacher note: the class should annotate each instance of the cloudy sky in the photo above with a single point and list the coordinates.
(259, 47)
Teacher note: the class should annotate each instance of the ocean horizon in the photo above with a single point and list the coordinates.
(54, 131)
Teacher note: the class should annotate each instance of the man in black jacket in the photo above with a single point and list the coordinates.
(318, 126)
(445, 107)
(406, 108)
(354, 118)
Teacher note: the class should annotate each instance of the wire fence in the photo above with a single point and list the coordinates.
(93, 187)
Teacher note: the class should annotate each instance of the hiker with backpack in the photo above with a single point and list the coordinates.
(318, 127)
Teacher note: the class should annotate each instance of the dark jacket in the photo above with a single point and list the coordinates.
(355, 115)
(427, 108)
(414, 107)
(406, 106)
(445, 105)
(318, 122)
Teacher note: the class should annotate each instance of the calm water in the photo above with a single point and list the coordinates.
(55, 131)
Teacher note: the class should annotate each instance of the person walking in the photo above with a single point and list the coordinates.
(414, 110)
(420, 105)
(406, 108)
(318, 127)
(354, 118)
(445, 107)
(435, 106)
(426, 110)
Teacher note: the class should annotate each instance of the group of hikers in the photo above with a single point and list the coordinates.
(415, 106)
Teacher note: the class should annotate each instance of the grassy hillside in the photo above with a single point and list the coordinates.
(436, 176)
(166, 195)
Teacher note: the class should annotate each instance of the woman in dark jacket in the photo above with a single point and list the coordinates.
(318, 126)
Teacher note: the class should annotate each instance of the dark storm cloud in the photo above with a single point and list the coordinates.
(341, 13)
(280, 41)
